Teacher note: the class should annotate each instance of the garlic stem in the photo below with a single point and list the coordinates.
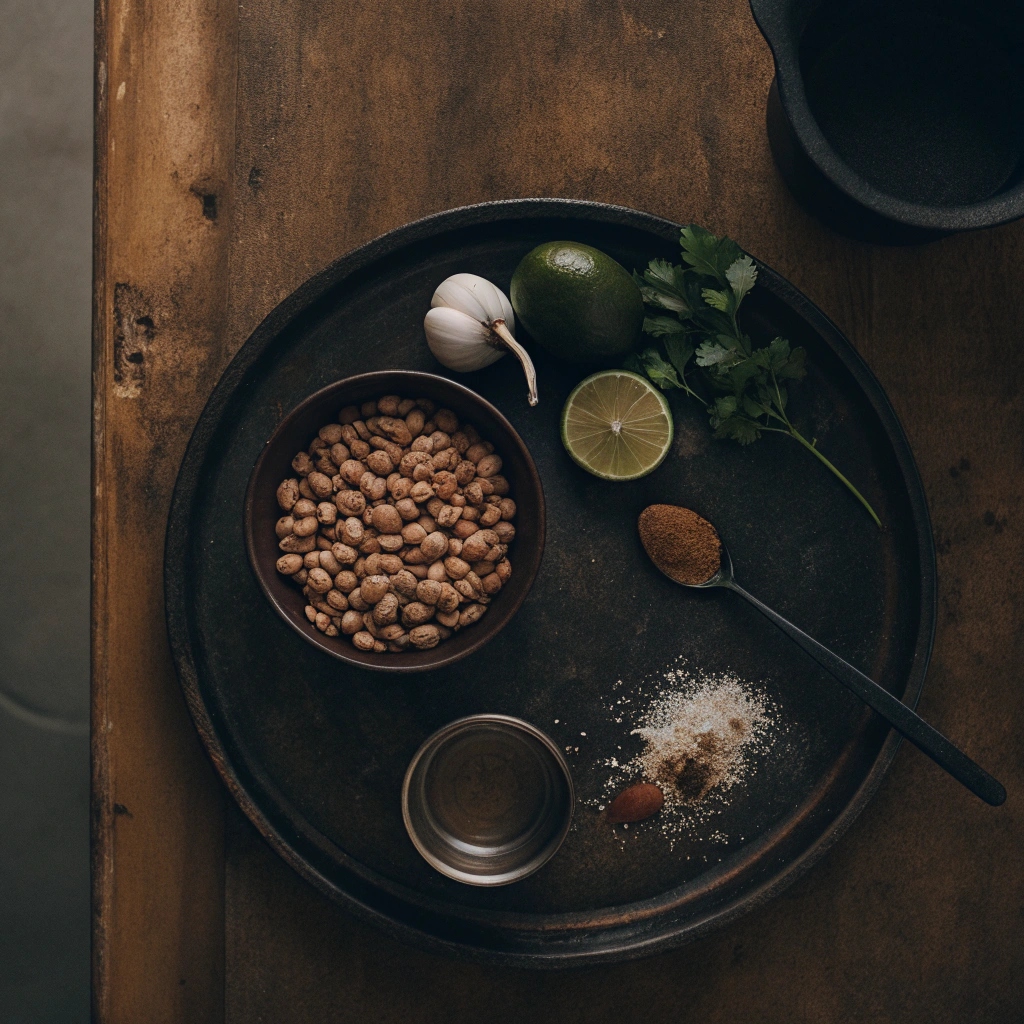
(505, 340)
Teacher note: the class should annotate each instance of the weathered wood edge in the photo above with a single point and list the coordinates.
(160, 266)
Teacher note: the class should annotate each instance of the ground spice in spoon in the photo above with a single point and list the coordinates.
(680, 543)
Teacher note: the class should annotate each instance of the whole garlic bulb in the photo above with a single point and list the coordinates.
(469, 326)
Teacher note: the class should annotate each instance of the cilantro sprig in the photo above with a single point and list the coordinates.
(704, 352)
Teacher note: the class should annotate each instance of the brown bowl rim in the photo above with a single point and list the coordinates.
(436, 657)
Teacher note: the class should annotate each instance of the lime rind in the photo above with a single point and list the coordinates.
(646, 429)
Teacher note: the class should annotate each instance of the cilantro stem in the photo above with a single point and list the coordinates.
(797, 436)
(692, 393)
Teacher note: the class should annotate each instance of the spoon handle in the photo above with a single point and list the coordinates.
(894, 711)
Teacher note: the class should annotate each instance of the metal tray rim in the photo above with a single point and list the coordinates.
(177, 541)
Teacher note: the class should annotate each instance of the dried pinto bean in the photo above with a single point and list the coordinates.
(405, 583)
(289, 565)
(350, 503)
(345, 554)
(363, 641)
(413, 533)
(351, 622)
(414, 421)
(387, 519)
(434, 546)
(428, 591)
(389, 564)
(297, 545)
(415, 613)
(386, 610)
(329, 562)
(472, 613)
(421, 492)
(490, 515)
(448, 600)
(425, 637)
(373, 588)
(319, 580)
(390, 542)
(287, 494)
(464, 528)
(320, 485)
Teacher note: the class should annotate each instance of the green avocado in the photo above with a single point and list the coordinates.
(577, 302)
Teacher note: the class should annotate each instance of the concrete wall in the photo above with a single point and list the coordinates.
(45, 273)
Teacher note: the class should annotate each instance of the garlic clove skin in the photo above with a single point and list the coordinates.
(476, 297)
(470, 324)
(458, 340)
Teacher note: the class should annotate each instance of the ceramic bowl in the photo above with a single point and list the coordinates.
(294, 434)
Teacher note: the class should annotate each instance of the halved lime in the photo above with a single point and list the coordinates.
(617, 425)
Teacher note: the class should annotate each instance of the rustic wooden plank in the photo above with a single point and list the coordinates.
(375, 117)
(164, 101)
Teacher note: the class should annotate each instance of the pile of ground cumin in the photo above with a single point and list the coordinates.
(680, 543)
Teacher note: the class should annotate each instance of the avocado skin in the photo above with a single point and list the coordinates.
(577, 302)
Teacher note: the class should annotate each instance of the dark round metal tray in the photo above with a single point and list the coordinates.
(315, 751)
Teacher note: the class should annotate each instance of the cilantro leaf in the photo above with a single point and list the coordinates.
(662, 285)
(679, 351)
(660, 326)
(658, 371)
(712, 353)
(753, 409)
(723, 409)
(728, 422)
(738, 428)
(742, 374)
(795, 368)
(719, 300)
(741, 276)
(778, 353)
(708, 254)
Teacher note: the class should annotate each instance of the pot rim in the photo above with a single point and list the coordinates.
(772, 20)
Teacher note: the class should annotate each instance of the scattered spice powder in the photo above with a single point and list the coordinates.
(680, 543)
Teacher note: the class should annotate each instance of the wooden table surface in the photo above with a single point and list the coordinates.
(240, 149)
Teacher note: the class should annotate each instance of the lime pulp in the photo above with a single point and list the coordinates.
(617, 425)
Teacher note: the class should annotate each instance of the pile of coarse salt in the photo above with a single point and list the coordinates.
(694, 740)
(699, 732)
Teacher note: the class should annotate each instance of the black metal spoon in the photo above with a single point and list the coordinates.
(894, 711)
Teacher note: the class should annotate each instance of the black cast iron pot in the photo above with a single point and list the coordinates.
(898, 122)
